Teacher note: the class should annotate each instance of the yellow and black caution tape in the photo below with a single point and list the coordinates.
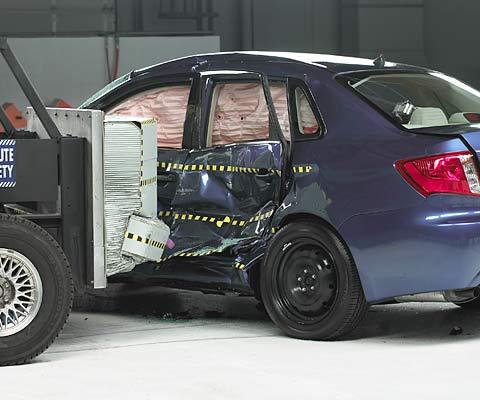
(147, 241)
(169, 166)
(298, 170)
(149, 121)
(147, 182)
(201, 253)
(211, 167)
(218, 221)
(302, 169)
(239, 265)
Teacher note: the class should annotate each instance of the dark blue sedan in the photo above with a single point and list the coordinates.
(320, 184)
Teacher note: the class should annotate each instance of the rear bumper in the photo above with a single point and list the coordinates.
(432, 247)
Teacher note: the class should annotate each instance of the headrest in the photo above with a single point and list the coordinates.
(428, 116)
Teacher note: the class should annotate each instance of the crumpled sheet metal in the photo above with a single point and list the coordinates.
(306, 195)
(211, 210)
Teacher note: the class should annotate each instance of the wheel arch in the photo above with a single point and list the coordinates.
(298, 229)
(306, 217)
(314, 218)
(255, 271)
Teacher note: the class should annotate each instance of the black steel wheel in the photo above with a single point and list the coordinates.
(306, 281)
(310, 285)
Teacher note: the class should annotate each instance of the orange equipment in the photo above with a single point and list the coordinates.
(15, 116)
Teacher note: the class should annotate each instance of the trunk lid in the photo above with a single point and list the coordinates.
(469, 133)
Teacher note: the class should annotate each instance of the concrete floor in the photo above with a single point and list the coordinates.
(165, 344)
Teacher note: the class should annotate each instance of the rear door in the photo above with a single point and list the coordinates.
(227, 189)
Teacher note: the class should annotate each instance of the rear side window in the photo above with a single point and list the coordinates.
(307, 121)
(168, 105)
(239, 113)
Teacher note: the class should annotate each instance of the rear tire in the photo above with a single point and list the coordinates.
(36, 290)
(310, 284)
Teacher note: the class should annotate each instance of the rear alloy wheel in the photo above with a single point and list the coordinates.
(310, 285)
(36, 290)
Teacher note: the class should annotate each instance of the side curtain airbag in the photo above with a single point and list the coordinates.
(168, 105)
(241, 112)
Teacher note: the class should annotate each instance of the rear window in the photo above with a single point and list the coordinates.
(419, 100)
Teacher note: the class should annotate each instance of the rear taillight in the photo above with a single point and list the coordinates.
(443, 173)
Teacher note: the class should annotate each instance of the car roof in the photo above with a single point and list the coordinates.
(333, 63)
(239, 60)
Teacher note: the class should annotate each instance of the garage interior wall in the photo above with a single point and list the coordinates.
(74, 68)
(435, 33)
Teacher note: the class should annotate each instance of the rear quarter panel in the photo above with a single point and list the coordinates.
(355, 188)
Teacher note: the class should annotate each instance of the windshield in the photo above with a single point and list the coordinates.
(420, 100)
(112, 85)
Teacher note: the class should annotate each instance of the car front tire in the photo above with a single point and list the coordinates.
(310, 284)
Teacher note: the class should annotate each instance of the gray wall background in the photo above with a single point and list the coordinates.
(441, 34)
(75, 68)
